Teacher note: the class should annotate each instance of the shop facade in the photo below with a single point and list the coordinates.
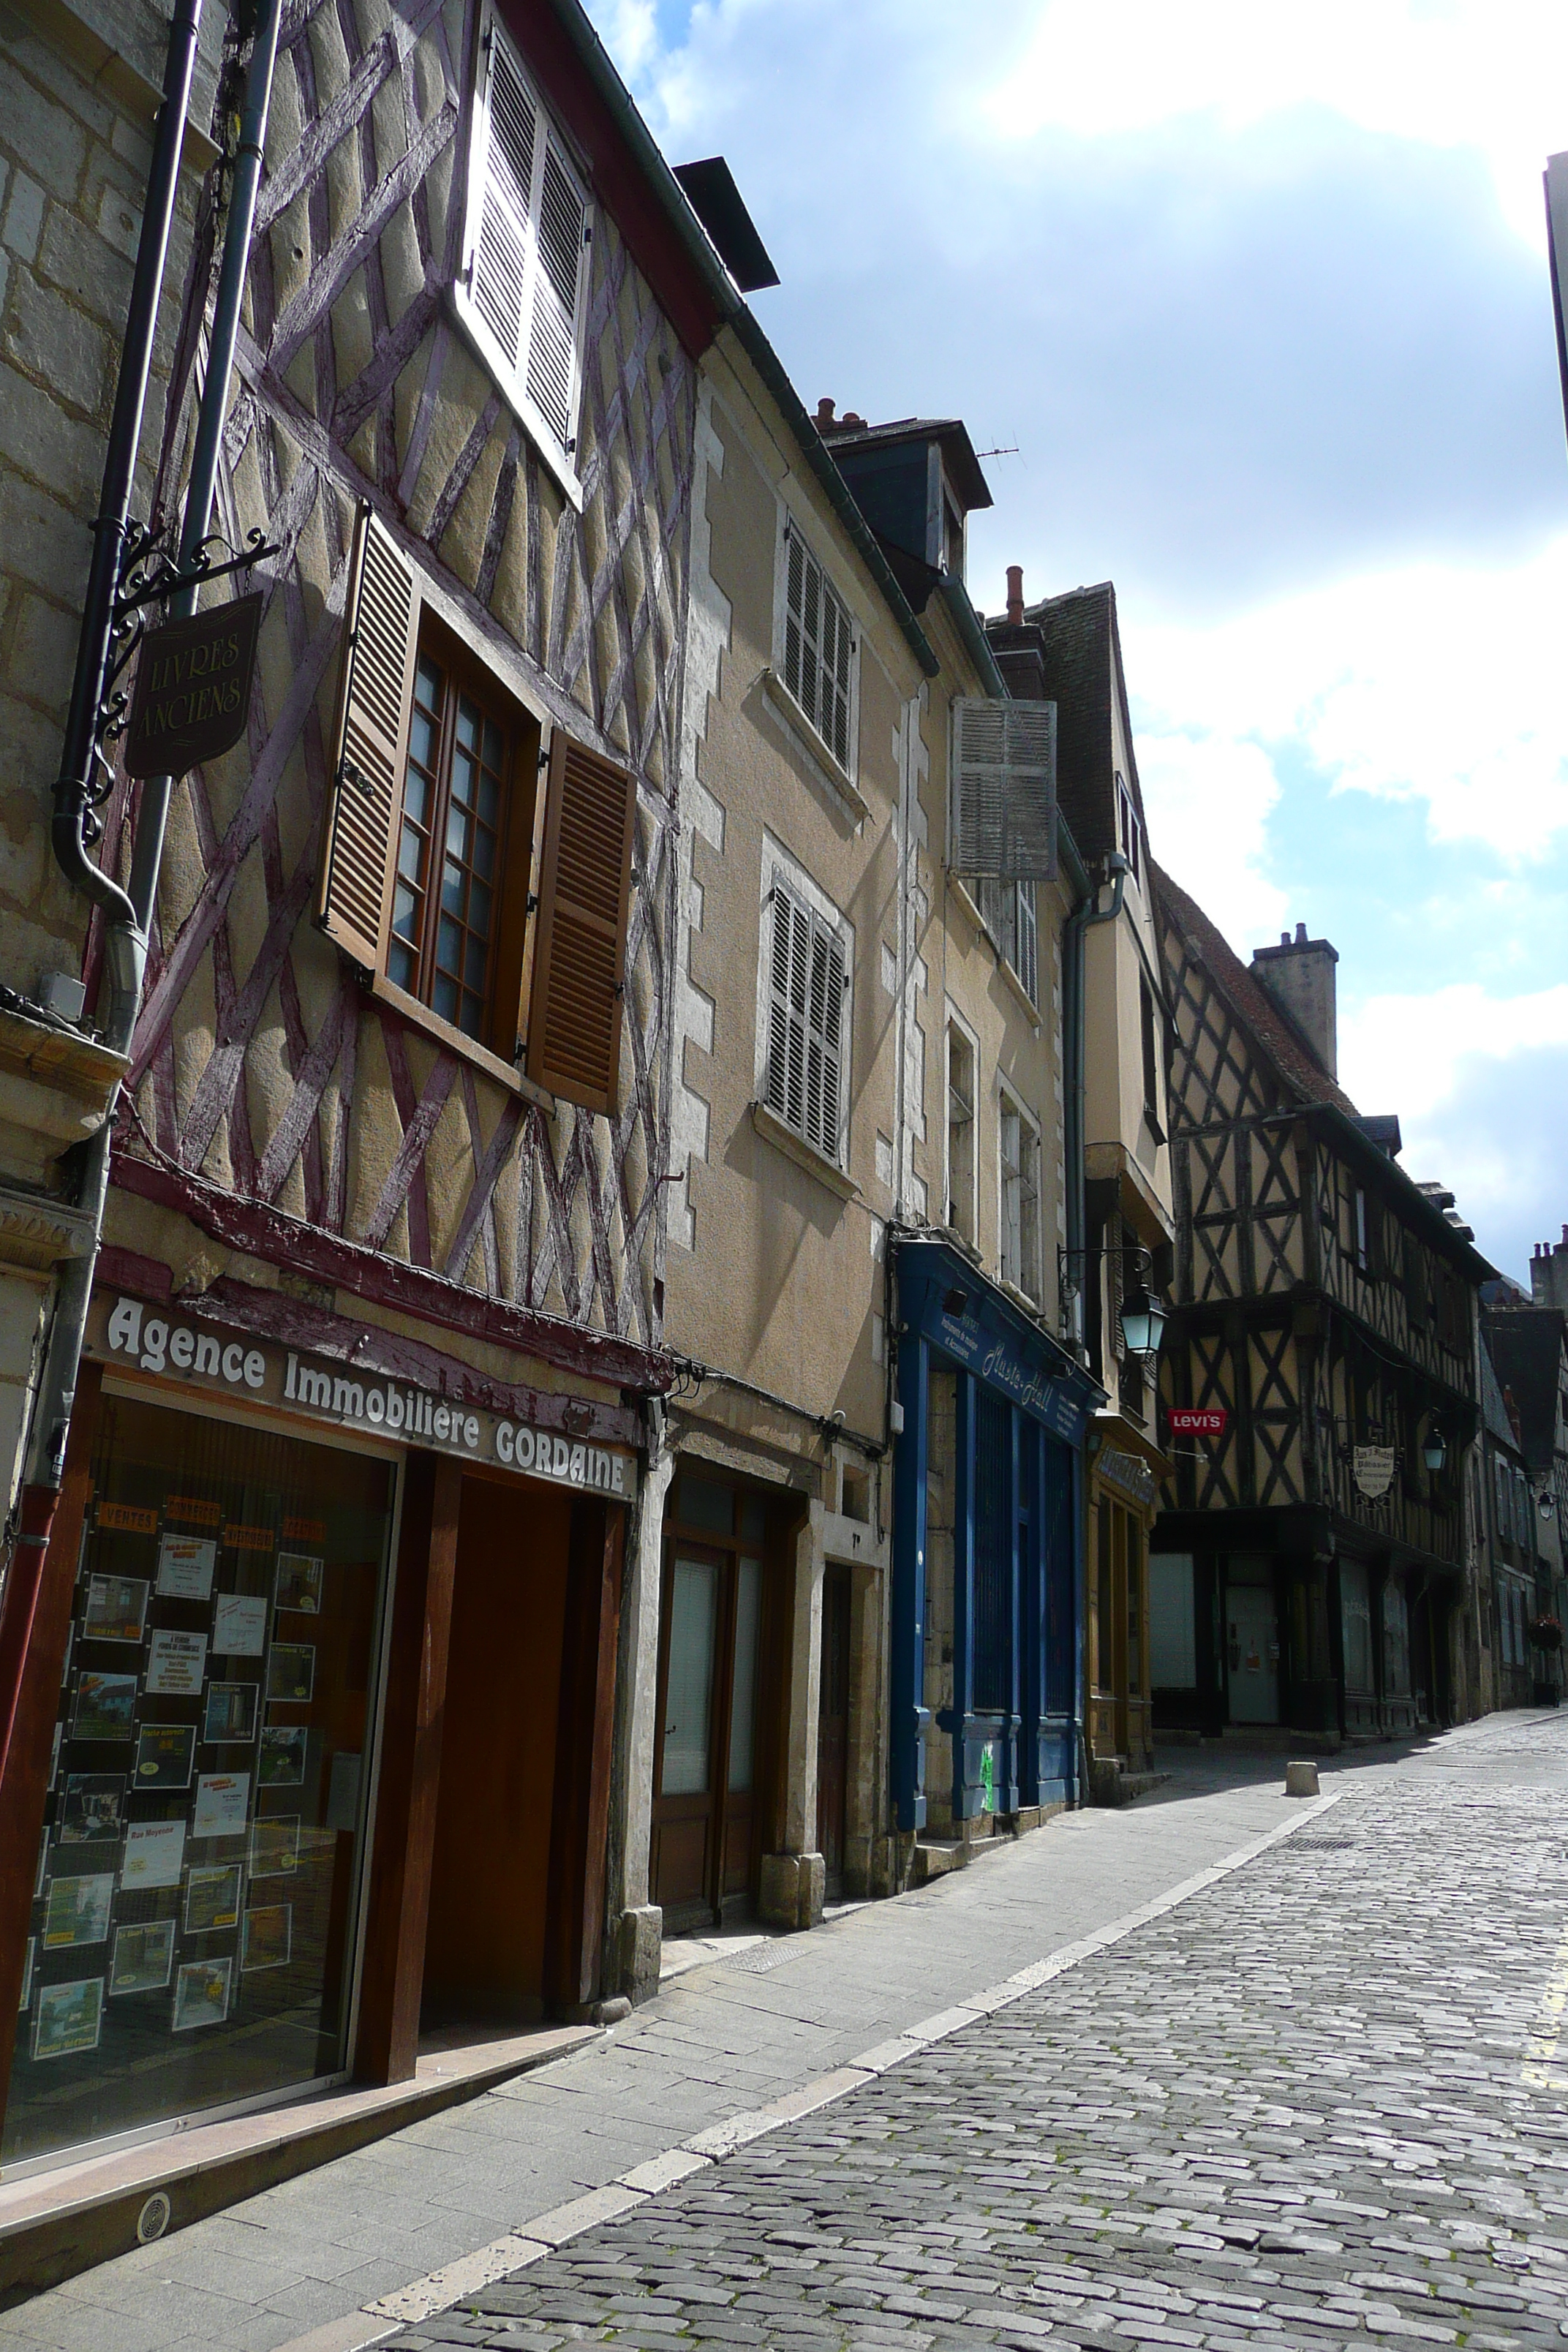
(1288, 1622)
(986, 1720)
(334, 1717)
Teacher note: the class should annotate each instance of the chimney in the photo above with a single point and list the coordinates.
(1015, 596)
(1299, 974)
(1549, 1274)
(823, 415)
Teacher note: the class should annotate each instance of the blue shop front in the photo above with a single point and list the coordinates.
(987, 1632)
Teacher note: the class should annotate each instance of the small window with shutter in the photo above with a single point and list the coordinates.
(807, 1021)
(817, 652)
(505, 936)
(523, 289)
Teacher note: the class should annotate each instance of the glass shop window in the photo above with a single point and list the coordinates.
(195, 1907)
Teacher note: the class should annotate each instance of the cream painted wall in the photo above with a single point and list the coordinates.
(774, 1268)
(1019, 1047)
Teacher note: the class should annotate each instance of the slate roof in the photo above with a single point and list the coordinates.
(1526, 1347)
(1269, 1023)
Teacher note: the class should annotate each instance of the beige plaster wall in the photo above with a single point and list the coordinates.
(774, 1268)
(1018, 1044)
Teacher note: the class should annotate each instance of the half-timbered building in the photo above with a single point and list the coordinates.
(354, 1462)
(1524, 1350)
(1309, 1569)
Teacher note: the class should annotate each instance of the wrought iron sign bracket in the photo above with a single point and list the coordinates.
(147, 577)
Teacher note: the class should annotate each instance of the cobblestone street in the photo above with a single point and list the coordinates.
(1321, 2103)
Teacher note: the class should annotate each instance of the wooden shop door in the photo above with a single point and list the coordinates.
(486, 1941)
(705, 1768)
(833, 1727)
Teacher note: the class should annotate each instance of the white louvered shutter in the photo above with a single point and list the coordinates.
(523, 292)
(1004, 789)
(825, 1042)
(785, 1093)
(807, 983)
(557, 297)
(1027, 959)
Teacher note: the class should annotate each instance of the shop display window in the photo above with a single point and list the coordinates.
(194, 1908)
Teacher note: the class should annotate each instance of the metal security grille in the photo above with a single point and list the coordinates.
(818, 649)
(993, 1552)
(807, 983)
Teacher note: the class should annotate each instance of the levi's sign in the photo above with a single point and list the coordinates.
(128, 1332)
(193, 690)
(1197, 1420)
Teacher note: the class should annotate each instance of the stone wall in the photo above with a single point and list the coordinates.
(79, 86)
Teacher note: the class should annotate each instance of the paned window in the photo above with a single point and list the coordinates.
(1011, 917)
(1129, 830)
(960, 1133)
(1149, 1035)
(1019, 1253)
(808, 988)
(451, 841)
(433, 882)
(819, 648)
(523, 289)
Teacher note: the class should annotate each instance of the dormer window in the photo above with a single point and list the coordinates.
(951, 538)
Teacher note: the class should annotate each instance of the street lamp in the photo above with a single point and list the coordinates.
(1142, 1322)
(1433, 1451)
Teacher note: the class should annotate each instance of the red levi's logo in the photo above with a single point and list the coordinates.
(1197, 1420)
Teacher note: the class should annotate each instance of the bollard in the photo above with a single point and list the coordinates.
(1301, 1780)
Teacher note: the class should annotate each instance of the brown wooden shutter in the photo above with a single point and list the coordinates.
(579, 963)
(380, 637)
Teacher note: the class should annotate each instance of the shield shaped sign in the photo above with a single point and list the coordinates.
(1374, 1470)
(193, 690)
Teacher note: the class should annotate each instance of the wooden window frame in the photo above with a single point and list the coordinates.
(1149, 1035)
(504, 1033)
(557, 986)
(1027, 1280)
(847, 761)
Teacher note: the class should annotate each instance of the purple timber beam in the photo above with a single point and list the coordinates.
(267, 1234)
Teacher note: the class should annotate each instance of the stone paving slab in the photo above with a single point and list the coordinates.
(1322, 2102)
(717, 2042)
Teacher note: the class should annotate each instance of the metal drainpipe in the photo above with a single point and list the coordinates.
(127, 944)
(148, 854)
(126, 941)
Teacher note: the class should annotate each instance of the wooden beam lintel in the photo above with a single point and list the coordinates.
(279, 1240)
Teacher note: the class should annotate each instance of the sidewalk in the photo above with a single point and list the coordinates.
(296, 2266)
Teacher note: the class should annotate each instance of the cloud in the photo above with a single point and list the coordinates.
(1433, 683)
(1480, 1084)
(1487, 74)
(1208, 803)
(1239, 346)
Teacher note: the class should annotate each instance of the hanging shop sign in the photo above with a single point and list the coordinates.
(193, 690)
(126, 1332)
(1374, 1470)
(1197, 1420)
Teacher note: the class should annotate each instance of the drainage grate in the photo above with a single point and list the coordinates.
(760, 1958)
(1325, 1846)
